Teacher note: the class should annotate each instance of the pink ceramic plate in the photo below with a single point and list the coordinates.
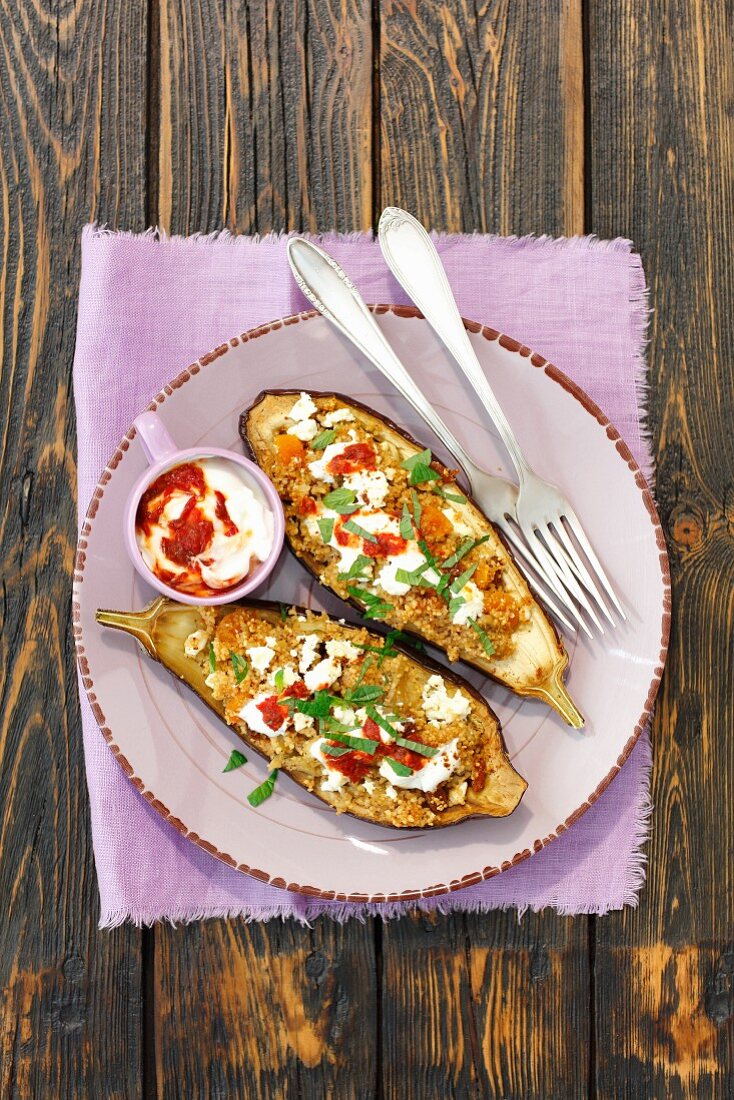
(174, 750)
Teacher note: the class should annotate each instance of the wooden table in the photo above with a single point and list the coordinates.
(555, 116)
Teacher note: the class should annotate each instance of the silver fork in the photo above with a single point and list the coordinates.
(334, 295)
(543, 515)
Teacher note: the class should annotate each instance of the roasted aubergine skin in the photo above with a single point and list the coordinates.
(532, 662)
(162, 629)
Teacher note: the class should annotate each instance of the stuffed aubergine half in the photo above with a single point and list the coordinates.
(378, 520)
(354, 717)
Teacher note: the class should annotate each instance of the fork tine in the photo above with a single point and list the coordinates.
(577, 565)
(573, 522)
(536, 578)
(562, 571)
(552, 572)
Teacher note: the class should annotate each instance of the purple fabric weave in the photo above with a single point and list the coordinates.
(150, 306)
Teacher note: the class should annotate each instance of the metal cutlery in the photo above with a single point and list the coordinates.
(548, 522)
(333, 294)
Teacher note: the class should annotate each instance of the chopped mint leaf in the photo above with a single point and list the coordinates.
(236, 760)
(415, 746)
(423, 458)
(455, 604)
(421, 473)
(417, 510)
(483, 637)
(240, 666)
(358, 744)
(326, 527)
(406, 524)
(381, 721)
(397, 767)
(374, 607)
(365, 693)
(343, 501)
(279, 680)
(335, 750)
(212, 658)
(354, 529)
(264, 791)
(324, 439)
(283, 611)
(462, 579)
(318, 707)
(356, 569)
(455, 498)
(456, 557)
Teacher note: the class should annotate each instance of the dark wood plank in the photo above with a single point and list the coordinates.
(280, 1010)
(481, 114)
(265, 115)
(72, 132)
(661, 173)
(482, 128)
(272, 132)
(480, 1005)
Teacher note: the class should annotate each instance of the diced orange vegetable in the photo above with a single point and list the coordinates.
(290, 448)
(434, 524)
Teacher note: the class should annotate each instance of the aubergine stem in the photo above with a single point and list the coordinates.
(140, 624)
(553, 692)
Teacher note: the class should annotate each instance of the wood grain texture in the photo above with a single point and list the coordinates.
(272, 132)
(492, 1007)
(280, 1011)
(661, 80)
(480, 129)
(265, 115)
(72, 126)
(481, 114)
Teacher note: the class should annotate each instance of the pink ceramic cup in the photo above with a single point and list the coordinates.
(162, 453)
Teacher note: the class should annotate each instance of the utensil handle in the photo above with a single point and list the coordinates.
(414, 261)
(154, 438)
(334, 295)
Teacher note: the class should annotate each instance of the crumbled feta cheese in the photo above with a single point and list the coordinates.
(318, 468)
(253, 716)
(391, 792)
(440, 707)
(340, 647)
(195, 643)
(271, 641)
(457, 794)
(302, 722)
(304, 429)
(435, 771)
(309, 650)
(473, 605)
(371, 486)
(368, 785)
(334, 779)
(345, 715)
(260, 657)
(338, 416)
(323, 674)
(303, 408)
(410, 559)
(289, 675)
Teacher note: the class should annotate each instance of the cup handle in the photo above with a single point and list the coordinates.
(156, 442)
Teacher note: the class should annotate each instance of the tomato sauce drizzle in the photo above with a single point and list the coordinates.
(355, 765)
(357, 456)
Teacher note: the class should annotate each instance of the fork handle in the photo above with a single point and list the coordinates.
(334, 295)
(414, 261)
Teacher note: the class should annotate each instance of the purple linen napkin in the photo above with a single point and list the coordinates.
(149, 306)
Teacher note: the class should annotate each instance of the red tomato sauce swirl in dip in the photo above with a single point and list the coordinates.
(201, 528)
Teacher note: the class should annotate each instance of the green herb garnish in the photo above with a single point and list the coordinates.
(258, 796)
(279, 680)
(356, 744)
(420, 474)
(324, 439)
(212, 658)
(374, 607)
(356, 569)
(456, 557)
(406, 524)
(343, 501)
(335, 750)
(283, 611)
(417, 510)
(462, 579)
(483, 637)
(355, 529)
(326, 527)
(397, 767)
(364, 693)
(455, 604)
(412, 576)
(456, 498)
(240, 666)
(381, 721)
(236, 760)
(423, 458)
(319, 706)
(416, 746)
